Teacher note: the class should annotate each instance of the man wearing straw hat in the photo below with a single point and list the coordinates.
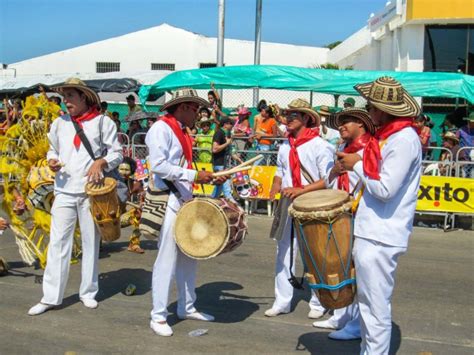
(356, 129)
(74, 167)
(170, 156)
(305, 158)
(390, 171)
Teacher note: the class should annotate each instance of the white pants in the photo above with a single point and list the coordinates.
(171, 260)
(283, 288)
(66, 210)
(375, 265)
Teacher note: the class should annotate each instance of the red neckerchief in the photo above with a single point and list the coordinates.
(356, 145)
(372, 154)
(295, 165)
(183, 137)
(87, 116)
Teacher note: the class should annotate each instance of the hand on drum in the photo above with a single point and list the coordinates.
(348, 160)
(292, 192)
(3, 224)
(95, 173)
(54, 165)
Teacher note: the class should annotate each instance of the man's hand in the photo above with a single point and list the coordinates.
(292, 192)
(19, 206)
(275, 189)
(219, 180)
(337, 169)
(228, 141)
(348, 160)
(3, 224)
(95, 173)
(54, 165)
(204, 177)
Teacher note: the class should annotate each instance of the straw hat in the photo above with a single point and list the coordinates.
(201, 122)
(469, 118)
(184, 95)
(388, 95)
(451, 136)
(335, 120)
(324, 111)
(301, 105)
(78, 84)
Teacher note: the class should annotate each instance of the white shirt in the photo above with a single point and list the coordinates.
(332, 135)
(316, 155)
(387, 207)
(354, 180)
(165, 154)
(72, 176)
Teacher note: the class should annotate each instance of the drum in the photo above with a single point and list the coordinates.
(207, 227)
(105, 208)
(323, 224)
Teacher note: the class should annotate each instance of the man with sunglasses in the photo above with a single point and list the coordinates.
(303, 159)
(390, 170)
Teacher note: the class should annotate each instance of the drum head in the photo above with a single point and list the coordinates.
(201, 229)
(107, 186)
(320, 200)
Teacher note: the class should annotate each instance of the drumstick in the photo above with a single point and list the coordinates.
(231, 171)
(250, 161)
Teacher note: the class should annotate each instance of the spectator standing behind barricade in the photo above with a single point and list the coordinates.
(132, 107)
(448, 124)
(466, 135)
(215, 106)
(134, 128)
(424, 132)
(265, 127)
(450, 142)
(221, 146)
(242, 130)
(57, 100)
(204, 140)
(349, 103)
(116, 118)
(104, 106)
(330, 135)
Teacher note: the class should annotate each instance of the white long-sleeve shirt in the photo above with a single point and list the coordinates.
(354, 180)
(165, 154)
(316, 155)
(72, 176)
(387, 207)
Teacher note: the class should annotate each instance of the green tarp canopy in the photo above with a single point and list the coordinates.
(305, 79)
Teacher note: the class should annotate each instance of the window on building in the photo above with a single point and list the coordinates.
(163, 66)
(106, 67)
(207, 65)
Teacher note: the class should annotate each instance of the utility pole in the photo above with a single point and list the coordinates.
(220, 38)
(258, 39)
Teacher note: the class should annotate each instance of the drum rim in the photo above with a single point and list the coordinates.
(226, 239)
(328, 207)
(109, 185)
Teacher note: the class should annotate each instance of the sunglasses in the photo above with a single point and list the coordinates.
(291, 116)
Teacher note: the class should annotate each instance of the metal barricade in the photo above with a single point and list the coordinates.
(139, 149)
(464, 169)
(125, 143)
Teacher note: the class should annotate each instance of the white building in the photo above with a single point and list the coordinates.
(162, 47)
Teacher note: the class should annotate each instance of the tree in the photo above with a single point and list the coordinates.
(332, 45)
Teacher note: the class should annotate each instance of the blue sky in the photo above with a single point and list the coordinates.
(29, 28)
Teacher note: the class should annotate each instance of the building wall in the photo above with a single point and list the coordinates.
(440, 11)
(165, 44)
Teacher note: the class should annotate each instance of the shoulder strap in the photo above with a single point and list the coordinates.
(83, 138)
(306, 174)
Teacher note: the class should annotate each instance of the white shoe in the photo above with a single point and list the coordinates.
(39, 308)
(316, 314)
(162, 329)
(90, 303)
(273, 312)
(197, 316)
(325, 324)
(343, 335)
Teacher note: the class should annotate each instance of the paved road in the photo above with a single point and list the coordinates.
(432, 305)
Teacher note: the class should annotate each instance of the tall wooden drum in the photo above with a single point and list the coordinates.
(323, 224)
(105, 208)
(207, 227)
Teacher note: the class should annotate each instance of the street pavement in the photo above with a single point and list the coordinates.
(432, 306)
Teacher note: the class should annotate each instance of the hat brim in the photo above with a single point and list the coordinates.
(91, 94)
(314, 115)
(454, 139)
(336, 120)
(407, 108)
(201, 122)
(196, 99)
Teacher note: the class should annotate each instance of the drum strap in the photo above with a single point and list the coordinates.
(298, 284)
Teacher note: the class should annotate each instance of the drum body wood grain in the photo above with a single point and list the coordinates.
(207, 227)
(105, 208)
(323, 224)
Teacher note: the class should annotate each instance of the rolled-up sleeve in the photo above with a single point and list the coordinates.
(159, 141)
(110, 140)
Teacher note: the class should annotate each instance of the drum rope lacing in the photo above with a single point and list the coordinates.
(346, 268)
